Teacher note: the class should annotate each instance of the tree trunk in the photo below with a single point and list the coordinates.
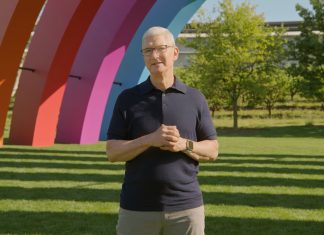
(235, 113)
(212, 109)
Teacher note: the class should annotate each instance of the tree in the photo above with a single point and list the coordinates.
(214, 96)
(232, 51)
(274, 88)
(308, 50)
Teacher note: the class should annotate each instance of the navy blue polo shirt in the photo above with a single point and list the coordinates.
(159, 180)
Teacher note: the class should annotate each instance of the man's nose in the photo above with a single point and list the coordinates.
(155, 53)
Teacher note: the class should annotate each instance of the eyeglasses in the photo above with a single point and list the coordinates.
(159, 50)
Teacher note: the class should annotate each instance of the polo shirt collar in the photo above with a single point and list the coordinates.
(180, 86)
(147, 86)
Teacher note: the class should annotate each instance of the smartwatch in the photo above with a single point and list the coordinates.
(189, 145)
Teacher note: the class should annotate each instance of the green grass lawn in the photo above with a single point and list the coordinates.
(268, 179)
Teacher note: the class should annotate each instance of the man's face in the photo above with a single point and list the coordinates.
(159, 54)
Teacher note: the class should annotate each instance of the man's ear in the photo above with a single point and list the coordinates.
(176, 53)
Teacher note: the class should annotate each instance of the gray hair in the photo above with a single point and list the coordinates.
(157, 30)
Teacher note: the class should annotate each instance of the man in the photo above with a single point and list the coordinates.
(161, 128)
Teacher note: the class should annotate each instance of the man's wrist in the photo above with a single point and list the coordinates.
(147, 140)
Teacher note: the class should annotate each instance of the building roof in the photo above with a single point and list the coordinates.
(289, 25)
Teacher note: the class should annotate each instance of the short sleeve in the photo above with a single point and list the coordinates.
(118, 124)
(205, 128)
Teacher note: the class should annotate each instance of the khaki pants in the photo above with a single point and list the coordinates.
(186, 222)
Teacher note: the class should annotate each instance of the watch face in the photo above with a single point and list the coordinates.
(190, 145)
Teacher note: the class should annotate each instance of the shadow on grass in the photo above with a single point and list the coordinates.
(316, 131)
(270, 161)
(18, 222)
(260, 181)
(47, 156)
(22, 176)
(29, 149)
(248, 226)
(265, 200)
(273, 156)
(67, 166)
(282, 170)
(67, 194)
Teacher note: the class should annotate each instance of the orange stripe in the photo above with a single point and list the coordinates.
(11, 50)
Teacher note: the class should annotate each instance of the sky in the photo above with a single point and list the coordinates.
(273, 10)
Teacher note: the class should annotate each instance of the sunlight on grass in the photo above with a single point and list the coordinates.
(60, 184)
(280, 160)
(281, 190)
(272, 147)
(40, 161)
(36, 170)
(277, 165)
(58, 206)
(273, 213)
(251, 174)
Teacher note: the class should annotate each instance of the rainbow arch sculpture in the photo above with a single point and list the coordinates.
(82, 54)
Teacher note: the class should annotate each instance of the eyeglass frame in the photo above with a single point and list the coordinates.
(150, 50)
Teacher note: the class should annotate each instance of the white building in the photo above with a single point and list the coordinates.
(189, 33)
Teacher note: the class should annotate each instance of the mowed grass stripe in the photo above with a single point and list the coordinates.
(279, 159)
(275, 190)
(58, 206)
(265, 165)
(50, 161)
(60, 184)
(273, 213)
(251, 174)
(40, 153)
(36, 170)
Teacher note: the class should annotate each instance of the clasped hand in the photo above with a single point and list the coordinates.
(168, 138)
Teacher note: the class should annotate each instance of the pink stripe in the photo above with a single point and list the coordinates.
(89, 58)
(100, 94)
(107, 72)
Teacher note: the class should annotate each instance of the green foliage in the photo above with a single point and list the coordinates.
(308, 49)
(295, 81)
(272, 88)
(233, 53)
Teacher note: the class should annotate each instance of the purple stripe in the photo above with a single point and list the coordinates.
(102, 50)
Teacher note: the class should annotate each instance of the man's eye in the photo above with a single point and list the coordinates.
(148, 50)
